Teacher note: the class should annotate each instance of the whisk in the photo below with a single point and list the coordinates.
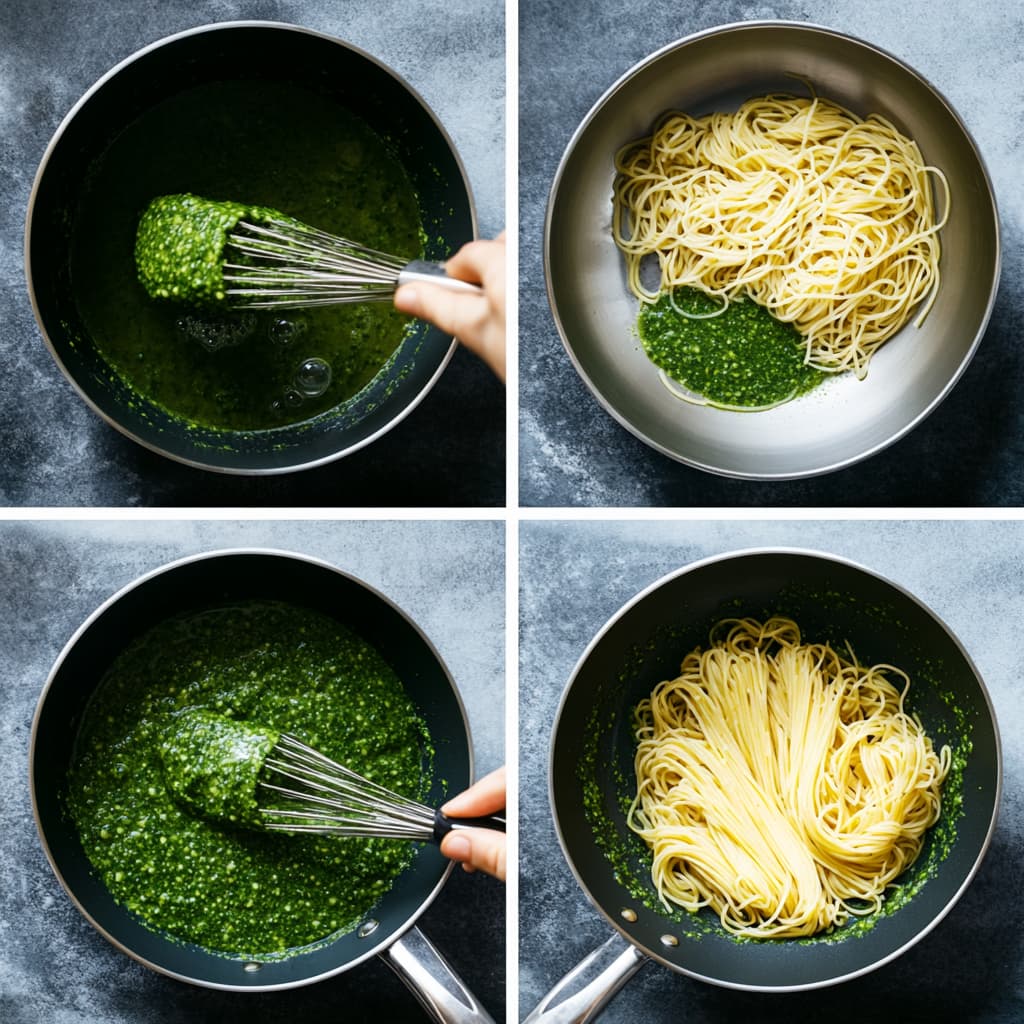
(219, 253)
(325, 797)
(290, 264)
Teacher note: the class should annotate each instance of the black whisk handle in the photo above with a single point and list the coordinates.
(443, 824)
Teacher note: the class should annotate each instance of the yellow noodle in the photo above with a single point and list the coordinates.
(825, 219)
(780, 783)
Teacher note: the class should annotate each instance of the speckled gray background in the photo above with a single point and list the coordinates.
(56, 451)
(575, 576)
(54, 968)
(573, 453)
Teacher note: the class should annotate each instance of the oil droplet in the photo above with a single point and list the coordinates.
(313, 377)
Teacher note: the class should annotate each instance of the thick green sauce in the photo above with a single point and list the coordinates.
(743, 358)
(264, 144)
(213, 764)
(179, 248)
(143, 814)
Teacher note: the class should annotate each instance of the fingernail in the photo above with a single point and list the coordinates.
(457, 847)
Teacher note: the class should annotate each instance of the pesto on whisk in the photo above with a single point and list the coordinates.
(179, 247)
(212, 764)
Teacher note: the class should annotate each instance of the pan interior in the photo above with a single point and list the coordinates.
(229, 58)
(592, 761)
(845, 419)
(216, 581)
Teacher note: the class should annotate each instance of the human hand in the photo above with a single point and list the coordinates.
(475, 848)
(478, 321)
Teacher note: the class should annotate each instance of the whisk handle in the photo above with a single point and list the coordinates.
(443, 824)
(433, 273)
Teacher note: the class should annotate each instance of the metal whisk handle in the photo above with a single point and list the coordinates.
(433, 273)
(443, 824)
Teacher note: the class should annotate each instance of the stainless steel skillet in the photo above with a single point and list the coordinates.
(847, 420)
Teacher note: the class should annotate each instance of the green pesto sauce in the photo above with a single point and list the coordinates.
(212, 764)
(179, 247)
(743, 358)
(133, 797)
(264, 144)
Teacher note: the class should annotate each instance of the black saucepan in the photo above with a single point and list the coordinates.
(243, 51)
(592, 766)
(205, 581)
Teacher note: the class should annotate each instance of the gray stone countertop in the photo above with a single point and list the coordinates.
(572, 453)
(54, 967)
(575, 576)
(448, 451)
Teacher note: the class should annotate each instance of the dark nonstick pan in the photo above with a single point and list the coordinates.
(242, 52)
(215, 579)
(591, 772)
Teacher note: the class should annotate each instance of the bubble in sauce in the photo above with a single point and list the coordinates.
(313, 377)
(284, 331)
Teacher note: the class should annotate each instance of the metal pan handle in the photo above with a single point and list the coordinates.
(415, 959)
(574, 999)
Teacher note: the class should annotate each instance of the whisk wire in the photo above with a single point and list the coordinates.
(297, 265)
(333, 799)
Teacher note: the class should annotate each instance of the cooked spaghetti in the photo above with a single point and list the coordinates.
(781, 783)
(824, 218)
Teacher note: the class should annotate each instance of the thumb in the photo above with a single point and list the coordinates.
(477, 848)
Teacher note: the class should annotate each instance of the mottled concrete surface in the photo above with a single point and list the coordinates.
(574, 576)
(54, 968)
(56, 450)
(573, 453)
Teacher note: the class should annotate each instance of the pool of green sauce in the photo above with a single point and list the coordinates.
(257, 143)
(146, 827)
(743, 358)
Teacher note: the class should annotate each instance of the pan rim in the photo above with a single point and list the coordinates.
(812, 28)
(381, 945)
(195, 462)
(940, 914)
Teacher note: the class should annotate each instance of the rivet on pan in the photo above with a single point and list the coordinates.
(669, 940)
(251, 968)
(367, 928)
(627, 914)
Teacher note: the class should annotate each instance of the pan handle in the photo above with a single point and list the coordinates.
(415, 959)
(574, 999)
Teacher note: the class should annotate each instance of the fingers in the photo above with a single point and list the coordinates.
(456, 313)
(478, 321)
(485, 796)
(482, 262)
(477, 849)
